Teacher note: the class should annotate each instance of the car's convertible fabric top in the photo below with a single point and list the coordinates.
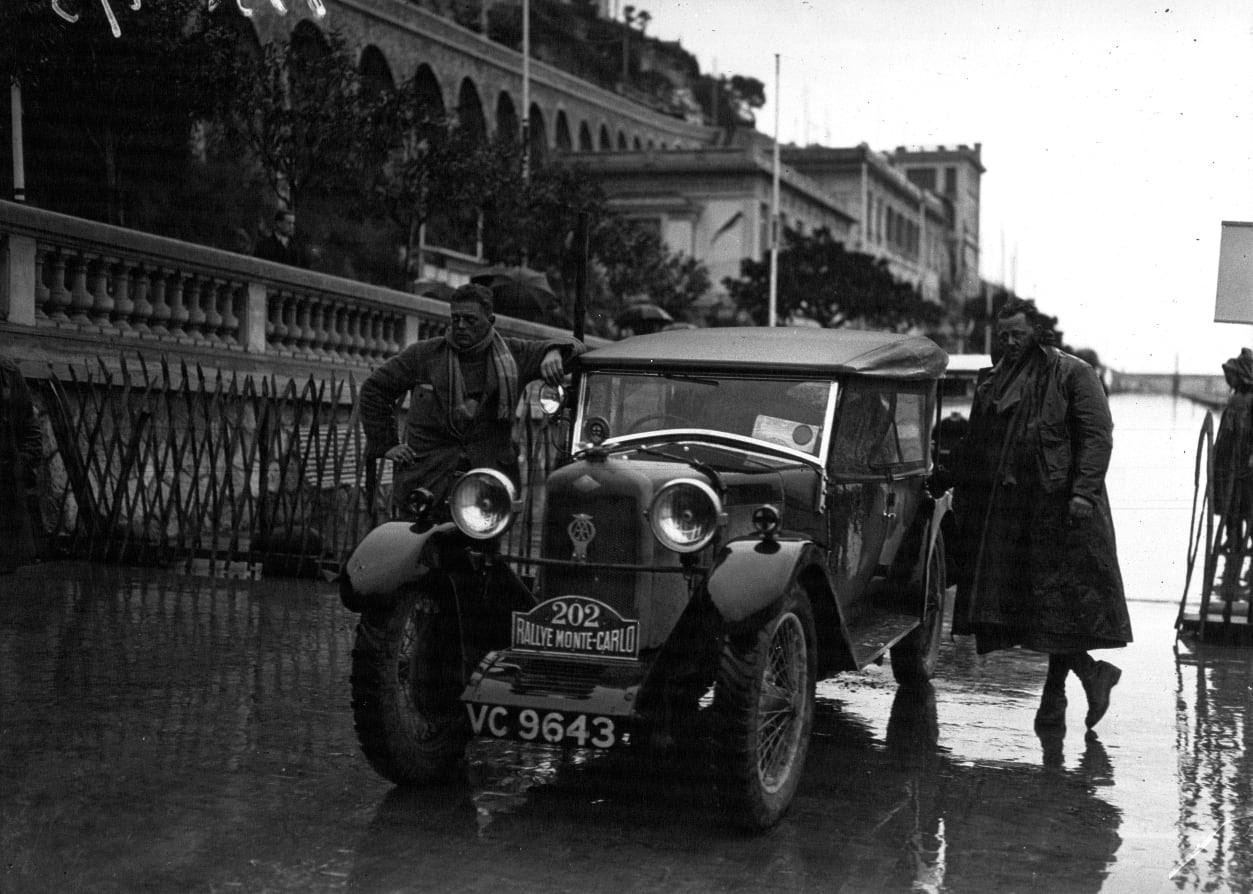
(825, 353)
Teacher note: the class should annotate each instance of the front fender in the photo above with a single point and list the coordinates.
(750, 574)
(388, 558)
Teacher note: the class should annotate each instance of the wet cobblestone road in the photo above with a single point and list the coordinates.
(171, 733)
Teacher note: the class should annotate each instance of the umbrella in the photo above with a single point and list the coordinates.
(643, 317)
(433, 288)
(519, 292)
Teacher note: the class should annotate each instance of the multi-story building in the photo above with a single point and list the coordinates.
(929, 236)
(714, 204)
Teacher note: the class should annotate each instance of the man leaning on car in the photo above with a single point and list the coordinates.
(464, 391)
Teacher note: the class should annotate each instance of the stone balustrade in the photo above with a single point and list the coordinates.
(71, 287)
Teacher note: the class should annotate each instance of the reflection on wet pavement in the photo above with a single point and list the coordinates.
(174, 733)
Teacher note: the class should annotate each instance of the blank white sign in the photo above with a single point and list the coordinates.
(1235, 274)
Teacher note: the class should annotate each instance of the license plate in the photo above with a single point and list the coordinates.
(548, 727)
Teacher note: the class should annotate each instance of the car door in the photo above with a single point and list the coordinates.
(877, 460)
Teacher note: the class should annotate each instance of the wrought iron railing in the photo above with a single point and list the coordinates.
(231, 474)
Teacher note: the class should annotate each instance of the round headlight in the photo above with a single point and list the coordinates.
(685, 514)
(483, 503)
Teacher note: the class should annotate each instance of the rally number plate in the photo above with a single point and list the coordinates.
(576, 625)
(548, 727)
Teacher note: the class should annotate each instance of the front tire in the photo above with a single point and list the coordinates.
(408, 673)
(915, 657)
(764, 703)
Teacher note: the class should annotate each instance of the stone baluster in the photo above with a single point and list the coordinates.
(291, 332)
(175, 288)
(121, 274)
(304, 331)
(58, 292)
(42, 292)
(376, 334)
(160, 302)
(234, 297)
(335, 335)
(193, 304)
(215, 289)
(274, 329)
(390, 341)
(98, 287)
(80, 299)
(352, 334)
(142, 312)
(317, 334)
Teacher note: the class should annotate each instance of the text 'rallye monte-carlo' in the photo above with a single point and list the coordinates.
(741, 512)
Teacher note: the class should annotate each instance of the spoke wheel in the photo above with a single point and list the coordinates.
(407, 678)
(764, 701)
(915, 657)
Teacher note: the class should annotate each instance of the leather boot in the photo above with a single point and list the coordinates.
(1052, 712)
(1098, 681)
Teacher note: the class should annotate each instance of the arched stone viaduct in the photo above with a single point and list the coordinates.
(481, 81)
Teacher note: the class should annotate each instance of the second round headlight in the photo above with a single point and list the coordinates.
(483, 502)
(685, 514)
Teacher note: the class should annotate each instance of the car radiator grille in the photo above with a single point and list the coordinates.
(563, 678)
(618, 524)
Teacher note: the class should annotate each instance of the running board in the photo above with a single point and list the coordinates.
(876, 631)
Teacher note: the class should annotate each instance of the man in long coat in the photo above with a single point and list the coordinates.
(1040, 561)
(1233, 452)
(464, 390)
(21, 452)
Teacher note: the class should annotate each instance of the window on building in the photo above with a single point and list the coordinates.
(950, 181)
(923, 177)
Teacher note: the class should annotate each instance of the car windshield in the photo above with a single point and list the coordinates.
(787, 412)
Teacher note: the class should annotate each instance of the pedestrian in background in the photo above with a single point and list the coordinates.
(1038, 536)
(21, 452)
(281, 244)
(1233, 454)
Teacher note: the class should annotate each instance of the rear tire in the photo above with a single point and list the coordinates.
(764, 704)
(407, 677)
(914, 658)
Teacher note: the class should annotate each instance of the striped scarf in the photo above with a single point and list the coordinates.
(502, 371)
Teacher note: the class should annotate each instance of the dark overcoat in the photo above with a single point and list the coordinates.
(421, 370)
(21, 452)
(1030, 576)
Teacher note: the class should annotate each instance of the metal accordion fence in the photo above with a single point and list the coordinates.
(231, 475)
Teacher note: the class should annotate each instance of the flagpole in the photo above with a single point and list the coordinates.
(526, 90)
(19, 163)
(774, 209)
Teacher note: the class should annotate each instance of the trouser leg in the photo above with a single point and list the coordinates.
(1052, 710)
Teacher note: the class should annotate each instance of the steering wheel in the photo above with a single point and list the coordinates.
(644, 421)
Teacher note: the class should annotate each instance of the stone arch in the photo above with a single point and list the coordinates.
(585, 138)
(376, 74)
(636, 144)
(650, 145)
(563, 140)
(470, 115)
(622, 140)
(606, 141)
(507, 126)
(308, 42)
(538, 134)
(428, 92)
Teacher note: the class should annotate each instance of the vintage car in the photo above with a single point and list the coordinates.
(957, 392)
(742, 512)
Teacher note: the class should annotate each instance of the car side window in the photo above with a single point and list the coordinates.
(878, 429)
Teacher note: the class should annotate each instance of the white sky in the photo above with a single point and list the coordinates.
(1117, 136)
